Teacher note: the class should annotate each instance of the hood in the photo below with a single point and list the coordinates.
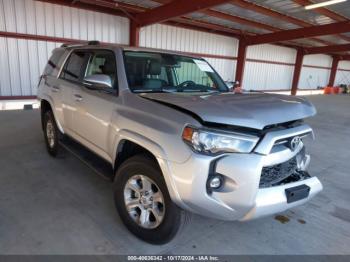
(251, 110)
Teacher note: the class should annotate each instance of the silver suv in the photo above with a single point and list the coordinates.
(177, 138)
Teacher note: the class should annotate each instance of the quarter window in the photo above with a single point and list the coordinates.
(52, 64)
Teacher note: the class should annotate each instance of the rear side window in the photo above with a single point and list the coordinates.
(74, 66)
(52, 64)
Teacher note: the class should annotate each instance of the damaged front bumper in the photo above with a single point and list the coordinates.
(243, 196)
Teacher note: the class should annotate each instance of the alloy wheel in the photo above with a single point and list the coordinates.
(144, 201)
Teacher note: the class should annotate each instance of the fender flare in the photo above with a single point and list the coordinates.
(157, 151)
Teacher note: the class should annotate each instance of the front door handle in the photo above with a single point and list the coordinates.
(55, 89)
(78, 97)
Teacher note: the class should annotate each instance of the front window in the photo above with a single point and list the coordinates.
(157, 72)
(102, 63)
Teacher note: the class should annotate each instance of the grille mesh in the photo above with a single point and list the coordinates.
(272, 175)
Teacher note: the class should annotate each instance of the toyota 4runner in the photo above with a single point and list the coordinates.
(177, 138)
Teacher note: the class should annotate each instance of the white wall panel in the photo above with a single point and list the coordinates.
(186, 40)
(318, 60)
(22, 61)
(30, 17)
(33, 65)
(272, 53)
(35, 17)
(311, 78)
(24, 69)
(343, 73)
(315, 76)
(225, 67)
(263, 75)
(5, 81)
(58, 20)
(2, 17)
(266, 76)
(15, 76)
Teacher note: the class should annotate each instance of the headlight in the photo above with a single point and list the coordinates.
(212, 142)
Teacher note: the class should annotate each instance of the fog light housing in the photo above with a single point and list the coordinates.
(215, 182)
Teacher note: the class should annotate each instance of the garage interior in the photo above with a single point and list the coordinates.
(62, 206)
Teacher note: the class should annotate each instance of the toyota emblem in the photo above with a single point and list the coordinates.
(294, 143)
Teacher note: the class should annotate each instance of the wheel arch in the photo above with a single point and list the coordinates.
(150, 148)
(46, 105)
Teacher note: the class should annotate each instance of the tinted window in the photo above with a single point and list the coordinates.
(52, 64)
(103, 62)
(73, 68)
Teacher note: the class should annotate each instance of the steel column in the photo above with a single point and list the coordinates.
(134, 34)
(297, 69)
(334, 69)
(242, 51)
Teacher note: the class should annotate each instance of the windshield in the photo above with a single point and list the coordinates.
(157, 72)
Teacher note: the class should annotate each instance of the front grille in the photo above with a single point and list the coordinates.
(275, 175)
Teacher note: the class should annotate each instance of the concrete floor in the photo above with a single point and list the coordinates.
(60, 206)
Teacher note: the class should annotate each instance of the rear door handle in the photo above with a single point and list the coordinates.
(78, 97)
(55, 89)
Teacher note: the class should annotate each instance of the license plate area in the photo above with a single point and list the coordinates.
(297, 193)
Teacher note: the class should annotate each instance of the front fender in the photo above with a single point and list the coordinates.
(156, 150)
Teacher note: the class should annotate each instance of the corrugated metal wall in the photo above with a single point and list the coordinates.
(261, 75)
(186, 40)
(343, 73)
(268, 67)
(22, 61)
(312, 75)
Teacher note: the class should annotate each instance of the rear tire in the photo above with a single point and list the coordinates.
(51, 133)
(150, 215)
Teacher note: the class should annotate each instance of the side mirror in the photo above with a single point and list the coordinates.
(98, 81)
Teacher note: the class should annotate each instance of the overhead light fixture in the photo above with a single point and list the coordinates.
(326, 3)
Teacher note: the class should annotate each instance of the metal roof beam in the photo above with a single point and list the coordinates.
(240, 20)
(322, 10)
(326, 12)
(344, 57)
(277, 15)
(307, 32)
(327, 49)
(269, 12)
(174, 9)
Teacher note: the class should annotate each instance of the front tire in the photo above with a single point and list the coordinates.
(143, 201)
(51, 133)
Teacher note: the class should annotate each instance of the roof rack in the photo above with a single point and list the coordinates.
(71, 45)
(93, 42)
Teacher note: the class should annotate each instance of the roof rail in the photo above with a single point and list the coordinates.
(93, 42)
(71, 45)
